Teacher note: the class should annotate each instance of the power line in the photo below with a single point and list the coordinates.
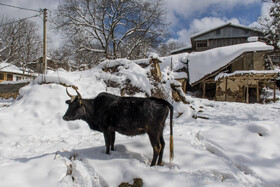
(20, 7)
(37, 15)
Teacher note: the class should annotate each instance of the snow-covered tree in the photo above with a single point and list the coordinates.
(112, 28)
(271, 23)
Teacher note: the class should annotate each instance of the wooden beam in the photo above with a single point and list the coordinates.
(264, 77)
(204, 89)
(226, 89)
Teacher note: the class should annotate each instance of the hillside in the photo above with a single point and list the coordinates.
(236, 144)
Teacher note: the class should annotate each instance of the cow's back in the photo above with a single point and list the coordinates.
(133, 115)
(100, 105)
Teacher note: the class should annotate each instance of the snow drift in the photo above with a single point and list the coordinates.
(239, 144)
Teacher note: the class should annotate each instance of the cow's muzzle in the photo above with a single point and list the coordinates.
(66, 118)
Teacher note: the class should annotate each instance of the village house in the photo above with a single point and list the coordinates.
(12, 79)
(10, 72)
(228, 63)
(39, 67)
(223, 35)
(233, 73)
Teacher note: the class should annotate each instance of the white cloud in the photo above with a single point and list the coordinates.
(16, 14)
(210, 22)
(264, 16)
(198, 25)
(187, 8)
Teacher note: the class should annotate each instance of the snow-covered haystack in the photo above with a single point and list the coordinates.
(141, 77)
(126, 75)
(237, 146)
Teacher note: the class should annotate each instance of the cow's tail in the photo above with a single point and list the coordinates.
(171, 144)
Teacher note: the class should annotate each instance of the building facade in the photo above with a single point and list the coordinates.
(223, 35)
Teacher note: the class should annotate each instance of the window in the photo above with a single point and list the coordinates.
(9, 77)
(201, 44)
(1, 76)
(218, 32)
(18, 78)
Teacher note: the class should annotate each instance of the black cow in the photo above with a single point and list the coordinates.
(130, 116)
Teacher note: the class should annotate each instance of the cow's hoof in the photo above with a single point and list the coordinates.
(160, 164)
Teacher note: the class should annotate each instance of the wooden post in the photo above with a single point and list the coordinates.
(226, 89)
(158, 70)
(258, 92)
(274, 90)
(45, 65)
(247, 93)
(204, 89)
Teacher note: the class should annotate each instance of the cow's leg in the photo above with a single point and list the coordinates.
(161, 150)
(154, 139)
(113, 135)
(107, 137)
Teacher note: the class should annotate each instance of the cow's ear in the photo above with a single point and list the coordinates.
(67, 102)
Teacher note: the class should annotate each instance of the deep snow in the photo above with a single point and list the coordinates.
(238, 145)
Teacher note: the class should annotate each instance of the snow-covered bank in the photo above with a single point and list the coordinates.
(238, 145)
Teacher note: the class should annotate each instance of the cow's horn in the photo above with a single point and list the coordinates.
(68, 93)
(79, 95)
(71, 96)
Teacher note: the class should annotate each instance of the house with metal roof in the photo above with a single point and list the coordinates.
(223, 35)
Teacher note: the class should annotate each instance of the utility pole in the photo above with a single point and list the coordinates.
(45, 63)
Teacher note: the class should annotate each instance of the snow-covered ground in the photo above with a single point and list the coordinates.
(238, 145)
(5, 103)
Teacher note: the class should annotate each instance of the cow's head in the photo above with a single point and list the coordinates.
(76, 108)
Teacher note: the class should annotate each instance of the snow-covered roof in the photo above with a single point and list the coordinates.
(250, 72)
(220, 26)
(207, 62)
(181, 49)
(7, 67)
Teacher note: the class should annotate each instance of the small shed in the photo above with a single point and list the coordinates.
(232, 73)
(245, 86)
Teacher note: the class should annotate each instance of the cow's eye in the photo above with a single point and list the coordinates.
(67, 102)
(80, 103)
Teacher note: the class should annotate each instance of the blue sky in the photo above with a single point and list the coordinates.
(186, 17)
(245, 14)
(190, 16)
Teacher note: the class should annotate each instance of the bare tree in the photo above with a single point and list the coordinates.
(30, 45)
(20, 43)
(166, 48)
(112, 28)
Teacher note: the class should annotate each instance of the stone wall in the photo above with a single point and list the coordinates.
(236, 89)
(10, 90)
